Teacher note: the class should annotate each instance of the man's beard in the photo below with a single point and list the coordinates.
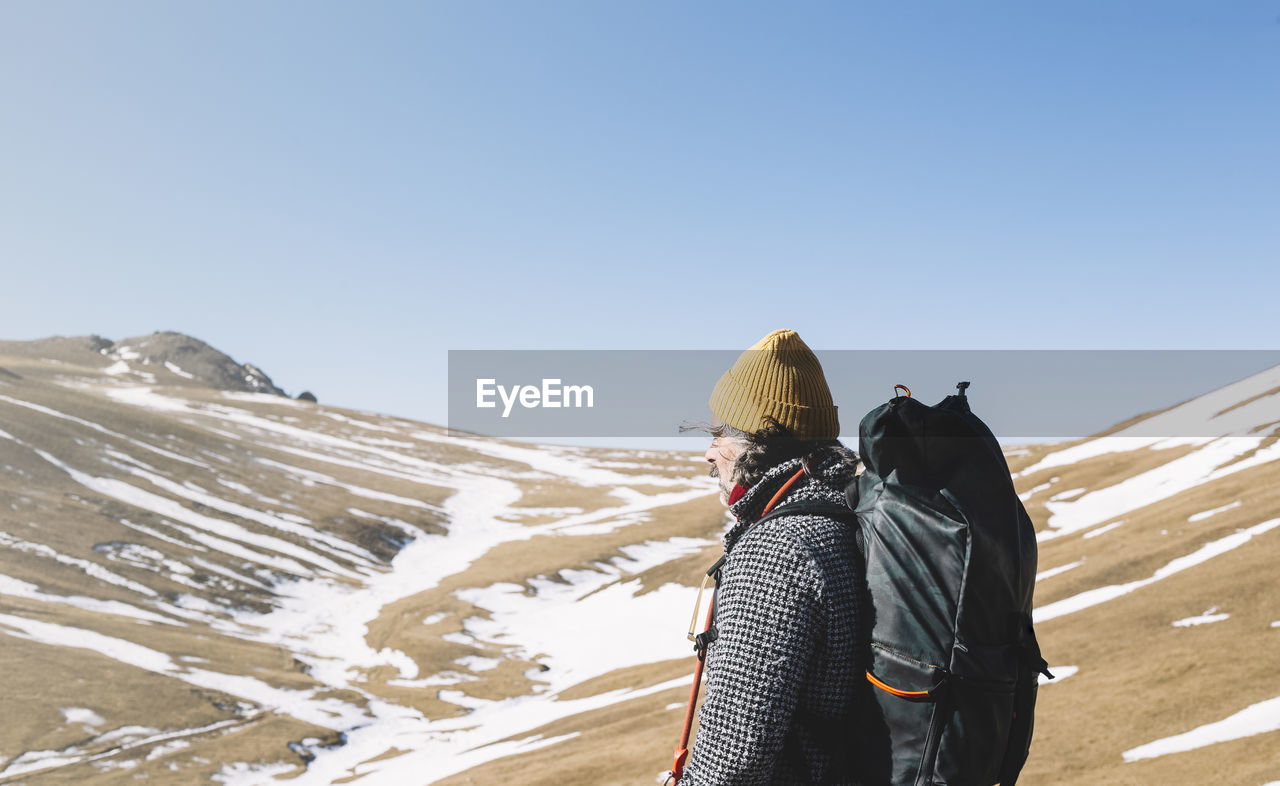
(726, 485)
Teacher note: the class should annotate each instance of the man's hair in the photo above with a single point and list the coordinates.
(766, 448)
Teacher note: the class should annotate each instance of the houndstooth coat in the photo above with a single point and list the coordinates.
(785, 673)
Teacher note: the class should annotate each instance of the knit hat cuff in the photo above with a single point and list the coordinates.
(747, 410)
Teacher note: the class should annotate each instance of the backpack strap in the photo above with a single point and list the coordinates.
(815, 507)
(811, 507)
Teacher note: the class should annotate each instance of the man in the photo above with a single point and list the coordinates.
(787, 665)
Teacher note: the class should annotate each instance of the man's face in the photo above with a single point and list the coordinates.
(721, 455)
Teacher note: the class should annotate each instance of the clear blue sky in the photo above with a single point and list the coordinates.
(340, 193)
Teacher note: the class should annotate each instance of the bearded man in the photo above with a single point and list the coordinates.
(785, 667)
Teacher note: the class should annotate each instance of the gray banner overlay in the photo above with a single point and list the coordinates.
(1052, 394)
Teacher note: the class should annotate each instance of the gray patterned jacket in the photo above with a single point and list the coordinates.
(783, 674)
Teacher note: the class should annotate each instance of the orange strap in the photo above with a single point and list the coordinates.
(785, 488)
(887, 688)
(682, 750)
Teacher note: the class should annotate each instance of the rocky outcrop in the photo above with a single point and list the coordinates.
(187, 357)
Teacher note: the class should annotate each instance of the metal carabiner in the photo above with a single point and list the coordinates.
(693, 622)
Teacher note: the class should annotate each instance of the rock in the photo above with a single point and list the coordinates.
(190, 357)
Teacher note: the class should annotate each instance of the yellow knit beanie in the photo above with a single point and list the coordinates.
(781, 378)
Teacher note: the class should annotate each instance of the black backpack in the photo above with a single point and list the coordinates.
(950, 558)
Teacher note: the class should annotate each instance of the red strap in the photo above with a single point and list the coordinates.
(682, 750)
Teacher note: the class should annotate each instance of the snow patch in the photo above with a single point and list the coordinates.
(1027, 495)
(102, 430)
(1059, 673)
(173, 368)
(1051, 572)
(1208, 412)
(251, 774)
(1155, 485)
(477, 663)
(1205, 553)
(22, 589)
(329, 713)
(1203, 619)
(559, 625)
(1068, 494)
(1103, 529)
(1255, 719)
(82, 716)
(1215, 511)
(91, 568)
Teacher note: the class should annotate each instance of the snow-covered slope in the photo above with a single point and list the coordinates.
(202, 584)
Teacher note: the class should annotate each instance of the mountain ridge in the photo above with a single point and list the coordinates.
(166, 352)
